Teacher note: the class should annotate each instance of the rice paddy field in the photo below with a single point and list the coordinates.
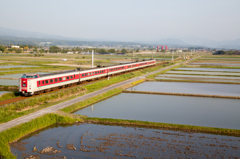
(91, 140)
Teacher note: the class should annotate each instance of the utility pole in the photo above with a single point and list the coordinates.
(132, 56)
(164, 55)
(92, 58)
(172, 55)
(152, 54)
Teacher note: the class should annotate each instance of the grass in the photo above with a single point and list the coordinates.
(92, 100)
(20, 131)
(9, 95)
(188, 128)
(14, 110)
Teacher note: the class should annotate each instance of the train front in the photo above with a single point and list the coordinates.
(27, 84)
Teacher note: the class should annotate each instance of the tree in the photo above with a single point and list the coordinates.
(162, 50)
(102, 51)
(54, 49)
(2, 48)
(137, 50)
(111, 50)
(124, 51)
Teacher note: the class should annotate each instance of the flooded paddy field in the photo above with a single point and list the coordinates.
(204, 73)
(192, 88)
(103, 141)
(207, 69)
(199, 111)
(191, 78)
(21, 74)
(8, 82)
(198, 77)
(215, 64)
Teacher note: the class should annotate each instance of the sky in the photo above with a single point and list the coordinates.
(125, 20)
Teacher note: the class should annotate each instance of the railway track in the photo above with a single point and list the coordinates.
(8, 101)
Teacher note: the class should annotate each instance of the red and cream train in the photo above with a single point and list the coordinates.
(30, 84)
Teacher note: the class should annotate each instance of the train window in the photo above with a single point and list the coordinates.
(74, 75)
(51, 80)
(42, 82)
(83, 75)
(60, 79)
(46, 81)
(71, 77)
(56, 79)
(93, 73)
(67, 78)
(39, 82)
(98, 71)
(86, 74)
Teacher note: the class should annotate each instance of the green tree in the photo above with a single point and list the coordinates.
(2, 48)
(102, 51)
(162, 50)
(111, 50)
(137, 50)
(54, 49)
(124, 51)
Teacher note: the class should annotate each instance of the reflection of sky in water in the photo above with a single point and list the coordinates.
(209, 69)
(194, 88)
(198, 76)
(9, 82)
(204, 73)
(200, 111)
(218, 64)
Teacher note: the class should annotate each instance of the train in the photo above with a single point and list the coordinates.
(30, 84)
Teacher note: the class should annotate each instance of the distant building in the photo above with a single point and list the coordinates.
(14, 46)
(69, 52)
(64, 59)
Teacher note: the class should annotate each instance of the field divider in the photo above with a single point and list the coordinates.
(182, 94)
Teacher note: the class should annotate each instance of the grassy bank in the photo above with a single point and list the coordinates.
(187, 128)
(92, 100)
(9, 95)
(14, 110)
(22, 130)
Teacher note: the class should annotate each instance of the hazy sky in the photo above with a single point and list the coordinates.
(125, 19)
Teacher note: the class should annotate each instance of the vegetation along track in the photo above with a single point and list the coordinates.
(8, 101)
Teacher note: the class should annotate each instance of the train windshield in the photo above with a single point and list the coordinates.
(29, 76)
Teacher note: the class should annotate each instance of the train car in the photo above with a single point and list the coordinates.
(30, 84)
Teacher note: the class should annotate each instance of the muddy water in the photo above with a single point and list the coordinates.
(210, 112)
(193, 88)
(8, 82)
(102, 141)
(208, 69)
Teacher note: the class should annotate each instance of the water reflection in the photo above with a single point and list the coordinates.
(211, 112)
